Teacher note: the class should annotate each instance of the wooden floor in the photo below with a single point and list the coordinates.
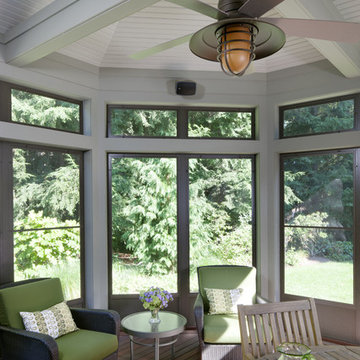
(186, 348)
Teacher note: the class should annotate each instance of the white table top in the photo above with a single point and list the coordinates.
(137, 324)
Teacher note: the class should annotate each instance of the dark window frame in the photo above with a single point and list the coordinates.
(355, 229)
(8, 242)
(182, 121)
(183, 297)
(5, 104)
(355, 97)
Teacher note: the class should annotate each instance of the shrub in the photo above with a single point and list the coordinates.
(44, 247)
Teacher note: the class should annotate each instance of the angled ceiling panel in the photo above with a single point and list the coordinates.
(112, 46)
(12, 12)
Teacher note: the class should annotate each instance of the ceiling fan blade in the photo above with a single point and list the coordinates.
(318, 29)
(161, 47)
(201, 8)
(256, 8)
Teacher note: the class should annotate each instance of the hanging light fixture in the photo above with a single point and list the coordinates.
(236, 42)
(236, 47)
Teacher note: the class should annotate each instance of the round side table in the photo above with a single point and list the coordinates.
(138, 325)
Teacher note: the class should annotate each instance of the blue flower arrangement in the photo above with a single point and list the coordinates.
(155, 298)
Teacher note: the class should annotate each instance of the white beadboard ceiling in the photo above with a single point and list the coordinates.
(111, 45)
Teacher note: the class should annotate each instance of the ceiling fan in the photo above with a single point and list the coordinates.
(240, 36)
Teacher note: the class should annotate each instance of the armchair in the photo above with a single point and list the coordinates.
(96, 339)
(219, 335)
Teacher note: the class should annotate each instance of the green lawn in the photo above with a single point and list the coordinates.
(67, 271)
(323, 280)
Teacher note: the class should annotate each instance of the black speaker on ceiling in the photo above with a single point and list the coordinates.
(185, 88)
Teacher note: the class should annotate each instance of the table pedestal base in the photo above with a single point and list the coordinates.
(156, 345)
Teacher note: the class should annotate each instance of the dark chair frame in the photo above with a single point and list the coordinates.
(18, 343)
(216, 351)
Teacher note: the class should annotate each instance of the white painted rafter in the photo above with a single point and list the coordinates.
(345, 57)
(56, 27)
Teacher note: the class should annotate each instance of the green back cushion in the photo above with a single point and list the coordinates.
(35, 296)
(228, 277)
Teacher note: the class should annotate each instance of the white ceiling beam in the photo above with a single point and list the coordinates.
(56, 27)
(344, 56)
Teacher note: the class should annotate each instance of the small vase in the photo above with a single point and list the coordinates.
(154, 318)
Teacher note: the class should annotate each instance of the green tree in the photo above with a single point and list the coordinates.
(33, 109)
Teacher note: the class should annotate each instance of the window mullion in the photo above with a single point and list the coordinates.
(183, 227)
(6, 218)
(356, 234)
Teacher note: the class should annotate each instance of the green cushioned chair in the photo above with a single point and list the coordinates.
(97, 339)
(219, 335)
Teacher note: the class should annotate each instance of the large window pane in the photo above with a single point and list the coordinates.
(220, 213)
(220, 124)
(318, 118)
(318, 226)
(33, 109)
(144, 227)
(47, 216)
(142, 122)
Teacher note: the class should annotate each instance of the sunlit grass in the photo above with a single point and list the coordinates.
(67, 271)
(328, 280)
(131, 279)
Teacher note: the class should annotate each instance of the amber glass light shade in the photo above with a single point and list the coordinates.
(235, 48)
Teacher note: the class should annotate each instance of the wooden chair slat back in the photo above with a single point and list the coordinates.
(263, 327)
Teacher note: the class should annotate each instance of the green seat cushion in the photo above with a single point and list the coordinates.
(86, 345)
(34, 296)
(222, 329)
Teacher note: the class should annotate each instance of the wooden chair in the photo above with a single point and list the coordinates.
(265, 326)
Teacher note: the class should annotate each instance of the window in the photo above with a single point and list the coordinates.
(221, 213)
(141, 122)
(318, 117)
(155, 201)
(126, 121)
(222, 124)
(37, 108)
(143, 225)
(41, 194)
(47, 216)
(34, 109)
(318, 225)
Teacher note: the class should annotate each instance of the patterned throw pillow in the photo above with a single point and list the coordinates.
(54, 321)
(223, 301)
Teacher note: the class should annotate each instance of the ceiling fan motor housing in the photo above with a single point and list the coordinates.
(230, 6)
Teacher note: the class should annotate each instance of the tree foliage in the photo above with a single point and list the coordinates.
(321, 118)
(220, 124)
(319, 188)
(144, 210)
(33, 109)
(133, 122)
(46, 181)
(46, 187)
(43, 247)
